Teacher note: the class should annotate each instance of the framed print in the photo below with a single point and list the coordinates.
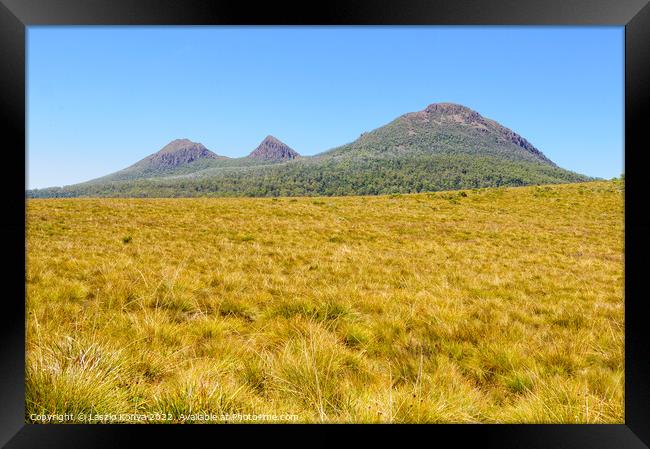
(378, 218)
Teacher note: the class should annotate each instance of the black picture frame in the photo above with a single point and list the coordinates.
(16, 15)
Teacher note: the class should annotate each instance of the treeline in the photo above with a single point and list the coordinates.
(336, 176)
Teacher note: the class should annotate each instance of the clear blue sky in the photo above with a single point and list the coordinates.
(101, 98)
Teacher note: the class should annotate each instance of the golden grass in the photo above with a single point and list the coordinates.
(491, 305)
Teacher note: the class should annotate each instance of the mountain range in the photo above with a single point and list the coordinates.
(445, 146)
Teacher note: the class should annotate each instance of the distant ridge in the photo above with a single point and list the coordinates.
(444, 146)
(271, 149)
(176, 154)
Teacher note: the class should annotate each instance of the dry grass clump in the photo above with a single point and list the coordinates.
(499, 305)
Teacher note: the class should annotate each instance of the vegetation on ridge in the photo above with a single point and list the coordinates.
(443, 147)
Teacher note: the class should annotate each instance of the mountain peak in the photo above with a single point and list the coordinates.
(179, 145)
(178, 152)
(448, 112)
(447, 108)
(457, 112)
(272, 149)
(444, 114)
(271, 138)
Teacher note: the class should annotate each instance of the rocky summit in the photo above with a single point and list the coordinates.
(272, 149)
(464, 115)
(178, 152)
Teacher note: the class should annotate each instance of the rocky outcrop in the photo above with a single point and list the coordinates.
(271, 149)
(179, 152)
(462, 115)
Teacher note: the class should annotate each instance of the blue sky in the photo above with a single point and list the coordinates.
(102, 98)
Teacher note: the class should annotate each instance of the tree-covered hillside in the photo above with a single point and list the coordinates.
(443, 147)
(337, 176)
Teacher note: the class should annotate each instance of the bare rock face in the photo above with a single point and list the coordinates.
(271, 149)
(461, 115)
(455, 111)
(179, 152)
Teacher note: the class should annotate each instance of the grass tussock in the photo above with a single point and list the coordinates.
(488, 305)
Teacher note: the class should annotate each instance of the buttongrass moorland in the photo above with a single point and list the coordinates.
(500, 305)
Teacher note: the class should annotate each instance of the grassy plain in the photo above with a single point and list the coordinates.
(491, 305)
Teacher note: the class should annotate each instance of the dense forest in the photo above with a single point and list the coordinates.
(372, 176)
